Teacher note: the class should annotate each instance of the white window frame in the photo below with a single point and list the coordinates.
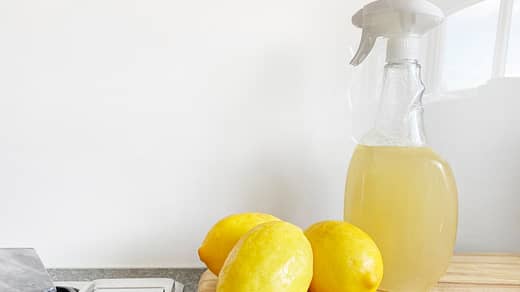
(505, 16)
(436, 44)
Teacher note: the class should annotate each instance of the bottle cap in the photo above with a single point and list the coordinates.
(402, 22)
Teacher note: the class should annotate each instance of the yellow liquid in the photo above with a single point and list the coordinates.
(405, 198)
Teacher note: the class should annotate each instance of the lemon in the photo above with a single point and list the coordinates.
(224, 235)
(345, 258)
(273, 257)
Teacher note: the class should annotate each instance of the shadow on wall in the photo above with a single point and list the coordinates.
(275, 191)
(478, 132)
(258, 163)
(270, 174)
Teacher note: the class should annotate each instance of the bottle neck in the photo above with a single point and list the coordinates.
(399, 120)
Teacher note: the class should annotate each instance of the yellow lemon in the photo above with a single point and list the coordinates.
(346, 259)
(273, 257)
(224, 235)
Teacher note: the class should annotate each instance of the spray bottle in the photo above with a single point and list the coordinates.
(398, 189)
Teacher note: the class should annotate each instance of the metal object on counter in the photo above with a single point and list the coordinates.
(21, 270)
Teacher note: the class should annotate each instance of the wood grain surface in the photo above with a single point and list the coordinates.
(467, 272)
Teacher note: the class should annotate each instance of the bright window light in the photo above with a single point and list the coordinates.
(467, 57)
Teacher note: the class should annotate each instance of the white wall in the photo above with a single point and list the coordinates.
(127, 128)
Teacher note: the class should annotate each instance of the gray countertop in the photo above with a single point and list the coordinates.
(188, 277)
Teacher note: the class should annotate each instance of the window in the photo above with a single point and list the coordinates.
(469, 43)
(475, 44)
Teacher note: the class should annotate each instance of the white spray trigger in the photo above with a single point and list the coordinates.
(403, 22)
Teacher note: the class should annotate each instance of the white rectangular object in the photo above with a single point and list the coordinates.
(126, 285)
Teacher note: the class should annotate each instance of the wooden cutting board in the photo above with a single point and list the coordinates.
(467, 273)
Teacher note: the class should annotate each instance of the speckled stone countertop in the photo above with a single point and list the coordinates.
(188, 277)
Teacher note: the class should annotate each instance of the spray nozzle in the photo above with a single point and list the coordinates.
(403, 22)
